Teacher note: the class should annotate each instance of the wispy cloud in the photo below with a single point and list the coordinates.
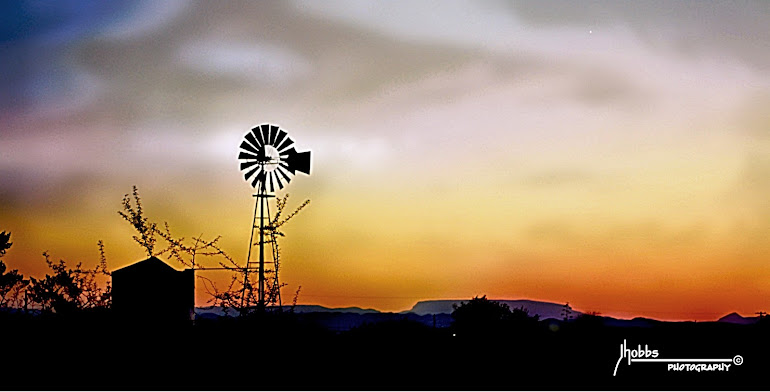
(265, 63)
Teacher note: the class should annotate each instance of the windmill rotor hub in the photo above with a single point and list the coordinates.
(273, 158)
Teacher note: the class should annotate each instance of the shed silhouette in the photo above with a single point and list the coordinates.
(151, 290)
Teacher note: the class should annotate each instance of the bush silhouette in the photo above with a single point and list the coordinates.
(12, 283)
(483, 317)
(480, 315)
(67, 290)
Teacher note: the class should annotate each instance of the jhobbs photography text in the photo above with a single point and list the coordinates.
(645, 354)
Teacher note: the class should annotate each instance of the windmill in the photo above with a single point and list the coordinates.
(268, 161)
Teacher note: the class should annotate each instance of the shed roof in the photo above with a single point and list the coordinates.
(151, 264)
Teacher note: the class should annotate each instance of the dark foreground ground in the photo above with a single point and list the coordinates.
(286, 352)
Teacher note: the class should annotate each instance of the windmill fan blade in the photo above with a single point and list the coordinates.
(282, 169)
(257, 131)
(279, 137)
(248, 164)
(246, 155)
(273, 134)
(265, 133)
(287, 168)
(270, 181)
(251, 172)
(248, 147)
(260, 178)
(286, 144)
(253, 140)
(261, 156)
(277, 178)
(299, 161)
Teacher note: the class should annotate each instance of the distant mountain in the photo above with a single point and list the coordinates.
(216, 311)
(211, 312)
(545, 310)
(636, 322)
(323, 309)
(735, 318)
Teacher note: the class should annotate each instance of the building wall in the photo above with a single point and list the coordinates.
(153, 291)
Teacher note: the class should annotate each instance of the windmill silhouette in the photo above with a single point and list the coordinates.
(269, 161)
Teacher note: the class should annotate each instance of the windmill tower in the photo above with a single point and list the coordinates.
(268, 161)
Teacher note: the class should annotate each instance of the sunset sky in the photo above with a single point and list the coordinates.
(613, 154)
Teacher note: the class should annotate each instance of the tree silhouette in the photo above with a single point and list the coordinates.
(480, 315)
(177, 248)
(5, 243)
(185, 253)
(521, 314)
(67, 290)
(591, 320)
(12, 283)
(483, 317)
(135, 216)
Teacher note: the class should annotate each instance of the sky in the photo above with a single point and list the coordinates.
(610, 154)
